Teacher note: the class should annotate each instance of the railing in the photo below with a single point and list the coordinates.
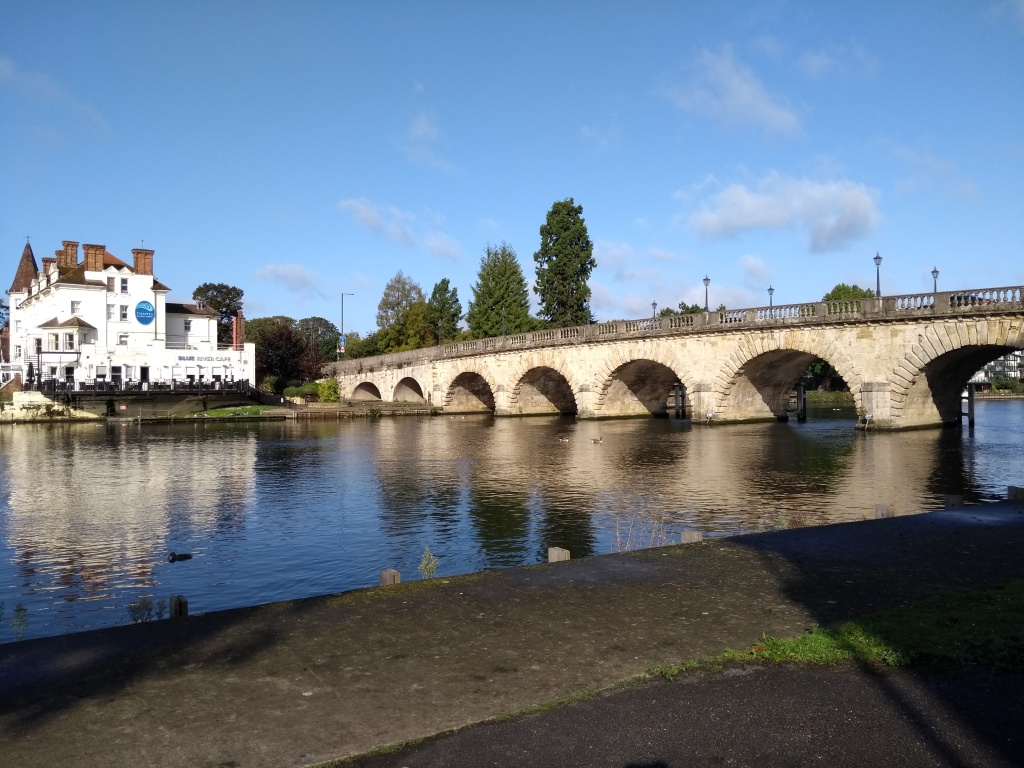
(175, 386)
(875, 310)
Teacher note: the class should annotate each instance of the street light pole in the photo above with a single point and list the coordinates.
(654, 309)
(771, 292)
(878, 276)
(935, 279)
(707, 282)
(341, 336)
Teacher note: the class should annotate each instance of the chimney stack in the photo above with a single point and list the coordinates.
(69, 256)
(48, 262)
(143, 261)
(94, 257)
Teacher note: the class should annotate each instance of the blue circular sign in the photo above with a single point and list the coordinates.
(144, 312)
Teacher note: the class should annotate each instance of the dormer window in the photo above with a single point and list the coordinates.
(188, 326)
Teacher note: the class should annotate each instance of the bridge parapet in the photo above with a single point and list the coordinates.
(891, 308)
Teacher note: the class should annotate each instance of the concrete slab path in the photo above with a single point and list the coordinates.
(293, 684)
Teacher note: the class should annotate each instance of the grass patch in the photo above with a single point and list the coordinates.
(823, 397)
(984, 628)
(243, 410)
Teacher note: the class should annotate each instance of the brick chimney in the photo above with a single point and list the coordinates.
(143, 261)
(69, 256)
(48, 262)
(94, 257)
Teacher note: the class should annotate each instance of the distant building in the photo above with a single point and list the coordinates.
(104, 323)
(1009, 366)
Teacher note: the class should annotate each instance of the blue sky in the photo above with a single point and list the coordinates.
(301, 150)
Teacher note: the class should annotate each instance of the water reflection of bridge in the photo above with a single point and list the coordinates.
(905, 358)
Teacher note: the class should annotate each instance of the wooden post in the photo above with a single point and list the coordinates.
(970, 406)
(179, 607)
(953, 501)
(677, 391)
(691, 537)
(801, 402)
(557, 554)
(390, 576)
(883, 511)
(1014, 492)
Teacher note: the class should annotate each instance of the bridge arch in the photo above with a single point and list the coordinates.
(542, 383)
(756, 379)
(408, 390)
(636, 380)
(366, 390)
(470, 390)
(929, 379)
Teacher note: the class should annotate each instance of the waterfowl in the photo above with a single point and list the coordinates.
(563, 439)
(597, 440)
(175, 557)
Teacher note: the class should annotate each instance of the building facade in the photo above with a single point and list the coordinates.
(102, 323)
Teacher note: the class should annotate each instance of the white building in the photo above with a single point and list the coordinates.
(102, 323)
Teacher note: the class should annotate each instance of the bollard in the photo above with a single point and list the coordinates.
(953, 501)
(691, 537)
(179, 607)
(883, 511)
(390, 576)
(1014, 492)
(557, 554)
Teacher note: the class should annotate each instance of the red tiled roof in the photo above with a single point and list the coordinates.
(110, 260)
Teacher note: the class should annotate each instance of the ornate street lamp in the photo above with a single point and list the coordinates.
(935, 279)
(707, 282)
(341, 336)
(771, 292)
(878, 276)
(654, 309)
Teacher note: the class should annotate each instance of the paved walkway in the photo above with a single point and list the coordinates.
(290, 684)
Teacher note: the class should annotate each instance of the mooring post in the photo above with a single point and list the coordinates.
(1014, 492)
(179, 607)
(390, 576)
(677, 391)
(883, 511)
(801, 402)
(953, 501)
(691, 537)
(970, 406)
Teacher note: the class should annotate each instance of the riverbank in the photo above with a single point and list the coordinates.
(307, 681)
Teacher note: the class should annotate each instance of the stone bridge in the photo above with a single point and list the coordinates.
(906, 360)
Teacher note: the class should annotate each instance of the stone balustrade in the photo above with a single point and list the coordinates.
(887, 308)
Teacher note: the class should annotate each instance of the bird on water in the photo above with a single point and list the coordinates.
(175, 557)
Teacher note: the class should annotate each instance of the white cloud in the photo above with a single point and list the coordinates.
(930, 172)
(601, 136)
(43, 88)
(728, 91)
(755, 270)
(443, 246)
(1009, 9)
(295, 279)
(849, 59)
(389, 221)
(419, 145)
(834, 212)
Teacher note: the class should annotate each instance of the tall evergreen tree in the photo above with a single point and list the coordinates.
(564, 263)
(445, 310)
(501, 298)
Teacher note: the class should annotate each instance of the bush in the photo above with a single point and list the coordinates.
(269, 385)
(327, 391)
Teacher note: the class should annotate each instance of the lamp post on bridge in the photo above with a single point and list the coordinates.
(935, 279)
(654, 309)
(341, 336)
(878, 276)
(707, 282)
(771, 292)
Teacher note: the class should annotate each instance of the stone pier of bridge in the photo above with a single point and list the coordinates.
(906, 360)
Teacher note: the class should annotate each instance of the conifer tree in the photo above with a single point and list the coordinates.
(501, 301)
(564, 263)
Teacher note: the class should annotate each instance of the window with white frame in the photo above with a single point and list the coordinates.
(122, 339)
(17, 326)
(76, 307)
(69, 342)
(53, 344)
(188, 326)
(17, 352)
(124, 285)
(110, 285)
(110, 311)
(124, 312)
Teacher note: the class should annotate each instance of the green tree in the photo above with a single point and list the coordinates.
(357, 346)
(444, 310)
(279, 347)
(5, 313)
(400, 294)
(322, 333)
(501, 299)
(564, 263)
(226, 299)
(844, 292)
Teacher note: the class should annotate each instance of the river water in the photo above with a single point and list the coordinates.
(278, 510)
